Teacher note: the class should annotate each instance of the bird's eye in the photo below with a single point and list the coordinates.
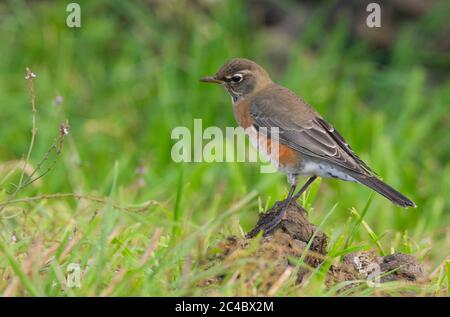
(237, 78)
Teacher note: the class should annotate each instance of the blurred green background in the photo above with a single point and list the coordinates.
(130, 75)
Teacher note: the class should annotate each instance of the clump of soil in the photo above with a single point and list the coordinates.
(267, 260)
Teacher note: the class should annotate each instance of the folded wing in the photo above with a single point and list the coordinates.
(302, 129)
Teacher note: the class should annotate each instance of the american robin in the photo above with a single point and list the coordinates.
(307, 144)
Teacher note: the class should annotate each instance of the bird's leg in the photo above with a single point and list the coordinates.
(305, 187)
(284, 205)
(290, 197)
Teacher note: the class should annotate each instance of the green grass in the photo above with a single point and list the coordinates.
(130, 75)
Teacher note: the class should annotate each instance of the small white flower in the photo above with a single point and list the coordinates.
(64, 128)
(30, 75)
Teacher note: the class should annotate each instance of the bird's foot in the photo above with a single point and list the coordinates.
(279, 216)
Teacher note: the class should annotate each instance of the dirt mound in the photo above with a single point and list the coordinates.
(268, 260)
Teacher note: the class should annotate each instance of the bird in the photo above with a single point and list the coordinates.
(307, 144)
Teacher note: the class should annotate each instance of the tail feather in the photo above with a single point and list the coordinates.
(385, 190)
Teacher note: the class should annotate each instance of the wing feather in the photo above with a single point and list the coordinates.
(314, 137)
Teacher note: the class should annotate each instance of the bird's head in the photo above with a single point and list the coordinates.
(241, 77)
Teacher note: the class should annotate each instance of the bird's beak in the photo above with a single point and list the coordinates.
(211, 79)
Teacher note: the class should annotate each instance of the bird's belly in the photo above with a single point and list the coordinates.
(323, 170)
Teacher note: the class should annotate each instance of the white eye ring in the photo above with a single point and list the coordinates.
(236, 78)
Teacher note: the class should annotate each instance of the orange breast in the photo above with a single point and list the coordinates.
(242, 114)
(287, 157)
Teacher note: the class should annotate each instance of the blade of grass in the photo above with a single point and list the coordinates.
(447, 269)
(107, 226)
(177, 209)
(308, 246)
(29, 286)
(369, 230)
(358, 221)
